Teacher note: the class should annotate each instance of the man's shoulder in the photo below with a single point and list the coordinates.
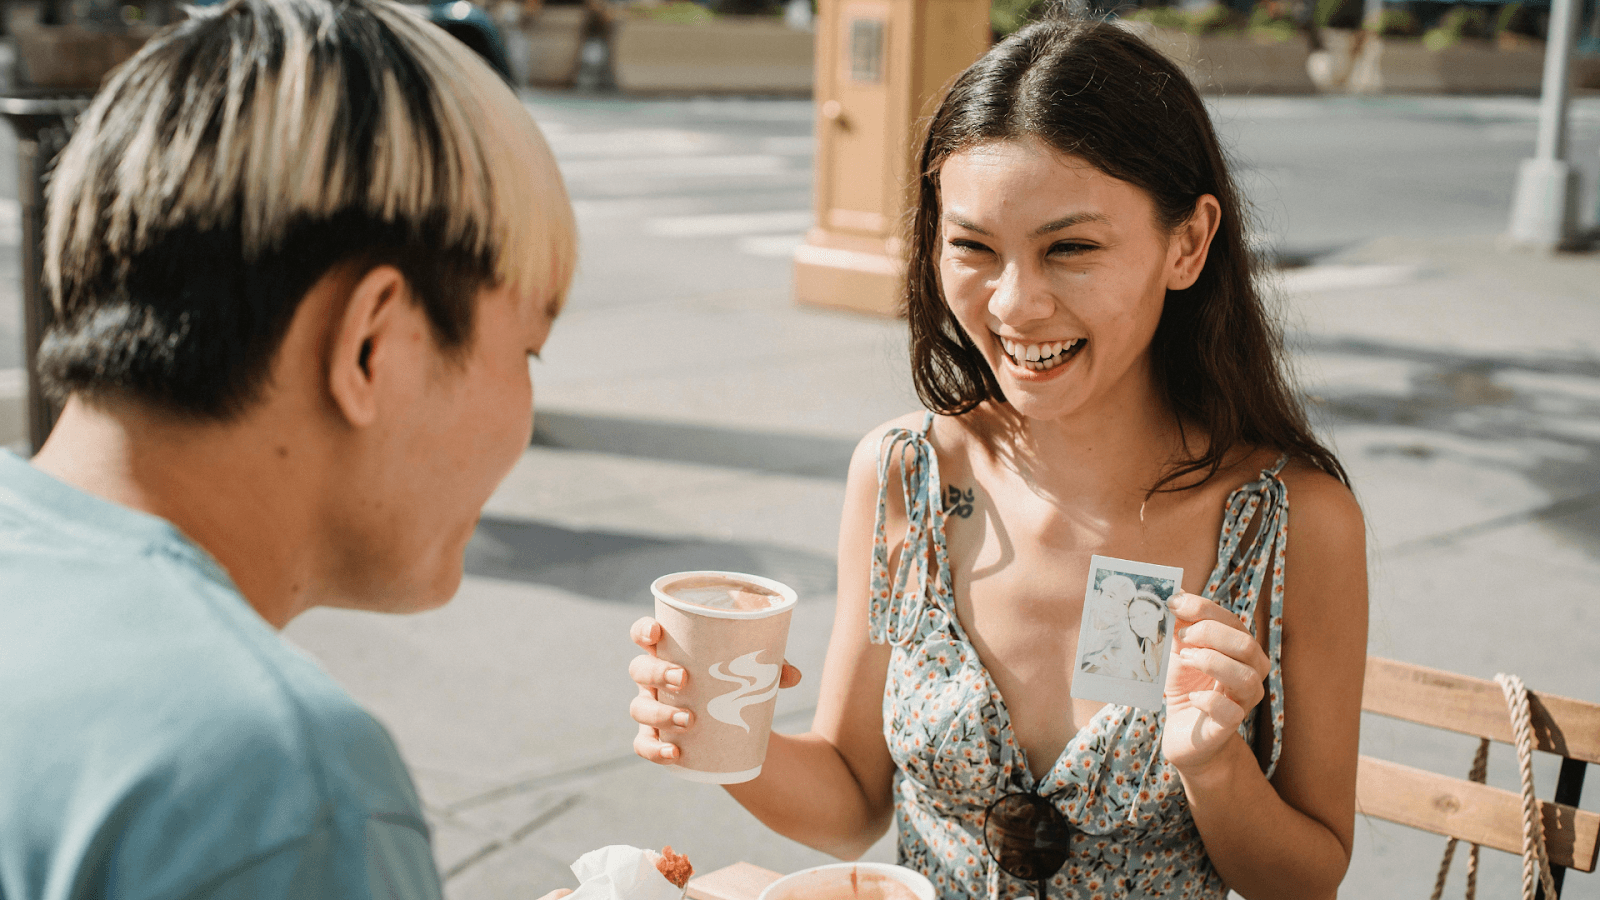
(151, 708)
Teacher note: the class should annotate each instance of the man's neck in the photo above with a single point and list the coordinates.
(222, 484)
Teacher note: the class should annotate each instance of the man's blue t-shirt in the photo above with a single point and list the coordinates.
(159, 739)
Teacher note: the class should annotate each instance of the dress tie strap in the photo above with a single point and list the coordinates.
(898, 604)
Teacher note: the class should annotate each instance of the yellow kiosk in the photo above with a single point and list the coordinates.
(881, 66)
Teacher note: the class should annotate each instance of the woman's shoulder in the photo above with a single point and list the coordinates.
(911, 421)
(864, 461)
(951, 438)
(1323, 511)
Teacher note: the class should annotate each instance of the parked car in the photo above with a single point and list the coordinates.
(472, 26)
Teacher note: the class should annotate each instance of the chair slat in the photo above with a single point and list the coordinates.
(1473, 812)
(1477, 707)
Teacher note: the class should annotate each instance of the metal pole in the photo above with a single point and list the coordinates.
(1557, 89)
(1544, 210)
(35, 315)
(42, 125)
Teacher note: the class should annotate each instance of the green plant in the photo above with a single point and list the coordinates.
(681, 12)
(1337, 14)
(1161, 17)
(1393, 23)
(1213, 18)
(1006, 16)
(1270, 20)
(1459, 22)
(1508, 14)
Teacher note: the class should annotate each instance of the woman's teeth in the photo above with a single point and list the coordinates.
(1040, 357)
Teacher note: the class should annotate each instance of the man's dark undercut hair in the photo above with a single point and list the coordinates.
(242, 154)
(1094, 90)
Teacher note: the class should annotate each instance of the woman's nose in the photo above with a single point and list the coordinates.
(1021, 295)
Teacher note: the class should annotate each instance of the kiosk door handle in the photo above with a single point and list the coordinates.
(833, 111)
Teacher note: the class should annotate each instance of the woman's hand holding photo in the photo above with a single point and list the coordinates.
(1215, 679)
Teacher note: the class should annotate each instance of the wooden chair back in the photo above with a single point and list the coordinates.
(1457, 807)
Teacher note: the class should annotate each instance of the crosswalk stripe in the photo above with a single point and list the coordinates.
(729, 224)
(776, 245)
(674, 166)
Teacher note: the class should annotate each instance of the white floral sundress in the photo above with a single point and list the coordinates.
(950, 734)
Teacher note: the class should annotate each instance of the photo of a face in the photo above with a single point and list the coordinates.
(1125, 637)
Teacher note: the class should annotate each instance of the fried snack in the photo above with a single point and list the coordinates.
(672, 866)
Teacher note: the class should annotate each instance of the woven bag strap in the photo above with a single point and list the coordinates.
(1480, 768)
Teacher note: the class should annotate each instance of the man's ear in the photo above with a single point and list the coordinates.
(1192, 242)
(363, 331)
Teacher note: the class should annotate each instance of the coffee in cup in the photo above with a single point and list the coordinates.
(728, 631)
(714, 591)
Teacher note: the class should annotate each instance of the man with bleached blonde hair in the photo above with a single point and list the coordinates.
(300, 252)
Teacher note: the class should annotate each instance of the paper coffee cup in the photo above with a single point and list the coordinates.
(734, 658)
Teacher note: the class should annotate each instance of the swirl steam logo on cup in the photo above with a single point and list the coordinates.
(756, 682)
(728, 631)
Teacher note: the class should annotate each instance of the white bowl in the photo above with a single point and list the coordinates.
(801, 885)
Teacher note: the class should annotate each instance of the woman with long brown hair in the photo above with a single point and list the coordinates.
(1102, 376)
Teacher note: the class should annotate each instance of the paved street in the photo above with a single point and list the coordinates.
(690, 416)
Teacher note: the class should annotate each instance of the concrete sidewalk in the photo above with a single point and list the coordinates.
(1459, 381)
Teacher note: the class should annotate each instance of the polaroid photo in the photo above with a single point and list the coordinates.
(1127, 632)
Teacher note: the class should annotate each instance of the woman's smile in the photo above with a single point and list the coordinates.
(1040, 359)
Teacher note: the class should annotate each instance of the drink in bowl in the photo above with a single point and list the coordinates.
(851, 881)
(728, 630)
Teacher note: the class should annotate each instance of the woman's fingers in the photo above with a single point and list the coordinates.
(1216, 650)
(646, 632)
(649, 745)
(647, 710)
(1230, 642)
(1219, 708)
(1237, 679)
(1192, 608)
(1205, 623)
(790, 676)
(556, 894)
(654, 672)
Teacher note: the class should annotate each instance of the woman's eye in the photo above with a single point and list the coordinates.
(968, 246)
(1070, 247)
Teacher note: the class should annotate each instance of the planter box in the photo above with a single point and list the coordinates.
(1366, 65)
(552, 39)
(71, 57)
(1229, 64)
(1400, 66)
(1586, 73)
(727, 55)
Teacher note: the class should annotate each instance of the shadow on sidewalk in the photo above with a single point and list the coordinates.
(766, 452)
(619, 567)
(1537, 416)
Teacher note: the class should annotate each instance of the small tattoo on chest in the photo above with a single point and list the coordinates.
(958, 502)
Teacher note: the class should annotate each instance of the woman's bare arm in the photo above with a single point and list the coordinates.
(1291, 838)
(830, 788)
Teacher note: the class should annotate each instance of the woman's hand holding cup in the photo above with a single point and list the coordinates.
(1215, 678)
(659, 722)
